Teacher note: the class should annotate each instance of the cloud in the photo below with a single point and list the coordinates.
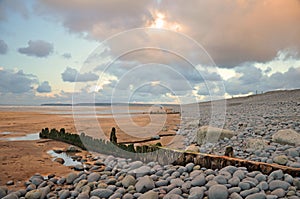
(233, 32)
(3, 47)
(67, 55)
(12, 6)
(251, 79)
(44, 87)
(72, 75)
(16, 81)
(37, 48)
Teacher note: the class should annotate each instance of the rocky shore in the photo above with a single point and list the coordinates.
(113, 177)
(263, 128)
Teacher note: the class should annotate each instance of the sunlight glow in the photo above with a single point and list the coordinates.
(160, 22)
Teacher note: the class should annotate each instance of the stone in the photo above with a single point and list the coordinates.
(59, 160)
(102, 193)
(218, 192)
(256, 143)
(287, 136)
(235, 196)
(93, 177)
(144, 184)
(256, 196)
(196, 193)
(281, 159)
(149, 195)
(116, 196)
(63, 194)
(172, 196)
(10, 182)
(34, 194)
(275, 184)
(192, 148)
(11, 196)
(199, 180)
(128, 196)
(3, 191)
(177, 182)
(212, 134)
(70, 178)
(277, 175)
(78, 167)
(278, 192)
(72, 149)
(128, 180)
(141, 171)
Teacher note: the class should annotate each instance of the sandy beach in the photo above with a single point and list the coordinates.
(22, 159)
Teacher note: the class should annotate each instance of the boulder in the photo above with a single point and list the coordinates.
(287, 136)
(208, 134)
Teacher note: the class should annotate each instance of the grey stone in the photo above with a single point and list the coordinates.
(128, 180)
(70, 178)
(63, 194)
(116, 196)
(245, 193)
(277, 175)
(218, 192)
(235, 196)
(144, 184)
(220, 179)
(34, 194)
(278, 184)
(244, 185)
(149, 195)
(11, 196)
(256, 196)
(199, 180)
(234, 181)
(281, 159)
(102, 193)
(161, 183)
(3, 191)
(196, 193)
(177, 182)
(278, 192)
(172, 196)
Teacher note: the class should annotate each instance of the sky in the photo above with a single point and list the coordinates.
(146, 51)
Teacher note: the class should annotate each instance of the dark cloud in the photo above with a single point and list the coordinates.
(3, 47)
(72, 75)
(67, 55)
(44, 87)
(37, 48)
(232, 32)
(16, 82)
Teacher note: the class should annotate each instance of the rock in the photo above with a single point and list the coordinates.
(277, 175)
(34, 194)
(135, 165)
(93, 177)
(287, 136)
(172, 196)
(293, 153)
(72, 149)
(211, 134)
(177, 182)
(235, 196)
(281, 159)
(256, 196)
(141, 171)
(278, 192)
(161, 183)
(71, 177)
(128, 196)
(128, 180)
(116, 196)
(144, 184)
(9, 183)
(78, 167)
(102, 193)
(275, 184)
(256, 144)
(196, 193)
(11, 196)
(59, 160)
(199, 180)
(193, 148)
(149, 195)
(63, 194)
(3, 191)
(218, 192)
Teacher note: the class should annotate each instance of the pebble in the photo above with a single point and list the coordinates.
(218, 192)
